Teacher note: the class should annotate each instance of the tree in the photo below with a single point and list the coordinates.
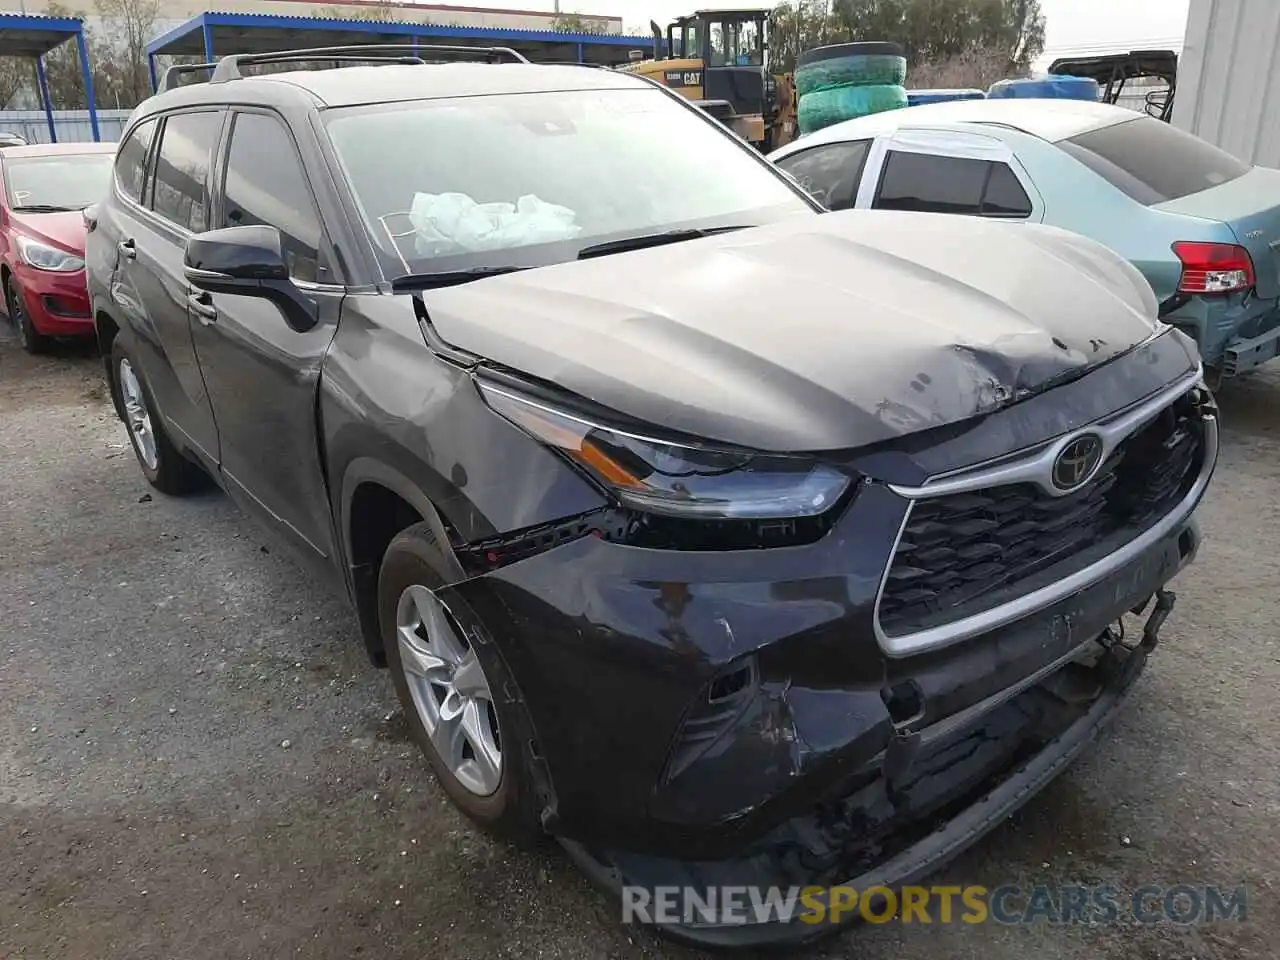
(383, 11)
(575, 23)
(977, 68)
(15, 73)
(117, 57)
(127, 25)
(62, 67)
(801, 25)
(929, 31)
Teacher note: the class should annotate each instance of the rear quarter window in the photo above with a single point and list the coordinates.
(1152, 161)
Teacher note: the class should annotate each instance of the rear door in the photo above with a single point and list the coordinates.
(262, 376)
(948, 171)
(162, 191)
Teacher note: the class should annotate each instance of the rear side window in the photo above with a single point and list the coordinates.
(131, 160)
(1004, 196)
(181, 193)
(957, 185)
(1153, 161)
(265, 185)
(829, 173)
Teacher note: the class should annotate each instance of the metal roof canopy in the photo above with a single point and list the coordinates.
(23, 35)
(212, 34)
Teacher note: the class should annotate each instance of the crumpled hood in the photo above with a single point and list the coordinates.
(818, 333)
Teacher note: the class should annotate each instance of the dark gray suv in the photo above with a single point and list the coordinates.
(726, 540)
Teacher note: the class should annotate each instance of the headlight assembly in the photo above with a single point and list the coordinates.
(678, 480)
(44, 257)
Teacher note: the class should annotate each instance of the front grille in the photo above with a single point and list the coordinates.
(960, 553)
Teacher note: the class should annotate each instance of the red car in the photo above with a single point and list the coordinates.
(43, 190)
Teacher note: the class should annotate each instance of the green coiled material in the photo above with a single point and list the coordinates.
(822, 108)
(859, 70)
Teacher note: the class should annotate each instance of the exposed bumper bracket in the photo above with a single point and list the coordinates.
(1241, 356)
(1126, 662)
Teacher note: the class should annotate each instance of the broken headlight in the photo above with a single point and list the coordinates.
(679, 480)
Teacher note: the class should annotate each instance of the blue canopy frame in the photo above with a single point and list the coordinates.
(24, 35)
(210, 34)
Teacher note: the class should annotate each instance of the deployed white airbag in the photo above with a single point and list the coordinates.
(447, 220)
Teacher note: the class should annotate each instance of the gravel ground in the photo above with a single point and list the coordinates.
(196, 760)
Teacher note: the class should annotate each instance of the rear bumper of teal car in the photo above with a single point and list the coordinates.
(1236, 333)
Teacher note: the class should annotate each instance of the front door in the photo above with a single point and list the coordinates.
(262, 376)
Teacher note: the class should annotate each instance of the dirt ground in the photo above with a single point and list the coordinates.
(196, 760)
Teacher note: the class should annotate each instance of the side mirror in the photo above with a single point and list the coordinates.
(248, 262)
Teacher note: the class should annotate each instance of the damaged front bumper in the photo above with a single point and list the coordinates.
(988, 802)
(702, 718)
(934, 790)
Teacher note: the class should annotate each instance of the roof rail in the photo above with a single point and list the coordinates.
(228, 68)
(173, 74)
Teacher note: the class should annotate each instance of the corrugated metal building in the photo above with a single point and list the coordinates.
(1229, 77)
(171, 13)
(72, 125)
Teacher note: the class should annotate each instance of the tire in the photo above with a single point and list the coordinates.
(414, 567)
(32, 340)
(858, 70)
(825, 107)
(834, 51)
(164, 467)
(1052, 88)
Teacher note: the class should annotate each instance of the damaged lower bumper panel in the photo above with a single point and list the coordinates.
(1245, 354)
(928, 797)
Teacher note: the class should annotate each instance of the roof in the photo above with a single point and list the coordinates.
(349, 86)
(1048, 119)
(57, 149)
(393, 83)
(24, 35)
(267, 33)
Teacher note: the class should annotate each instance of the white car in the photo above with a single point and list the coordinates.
(1202, 226)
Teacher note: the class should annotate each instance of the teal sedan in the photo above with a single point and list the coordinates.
(1202, 226)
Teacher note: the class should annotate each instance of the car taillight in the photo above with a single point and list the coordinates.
(1213, 267)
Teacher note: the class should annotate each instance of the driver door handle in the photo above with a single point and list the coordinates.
(127, 249)
(201, 304)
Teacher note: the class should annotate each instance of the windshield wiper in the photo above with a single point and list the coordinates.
(651, 240)
(448, 278)
(44, 208)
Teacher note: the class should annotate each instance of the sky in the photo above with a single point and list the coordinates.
(1072, 26)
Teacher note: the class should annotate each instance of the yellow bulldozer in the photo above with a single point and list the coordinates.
(718, 59)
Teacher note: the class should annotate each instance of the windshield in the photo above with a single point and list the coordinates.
(65, 181)
(683, 35)
(532, 179)
(737, 43)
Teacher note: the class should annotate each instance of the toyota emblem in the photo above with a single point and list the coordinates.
(1077, 461)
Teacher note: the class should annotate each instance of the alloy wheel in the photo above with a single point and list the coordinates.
(450, 691)
(138, 416)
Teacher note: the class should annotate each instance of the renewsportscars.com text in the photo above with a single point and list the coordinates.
(1183, 904)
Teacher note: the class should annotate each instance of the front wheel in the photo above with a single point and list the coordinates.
(33, 341)
(164, 467)
(452, 686)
